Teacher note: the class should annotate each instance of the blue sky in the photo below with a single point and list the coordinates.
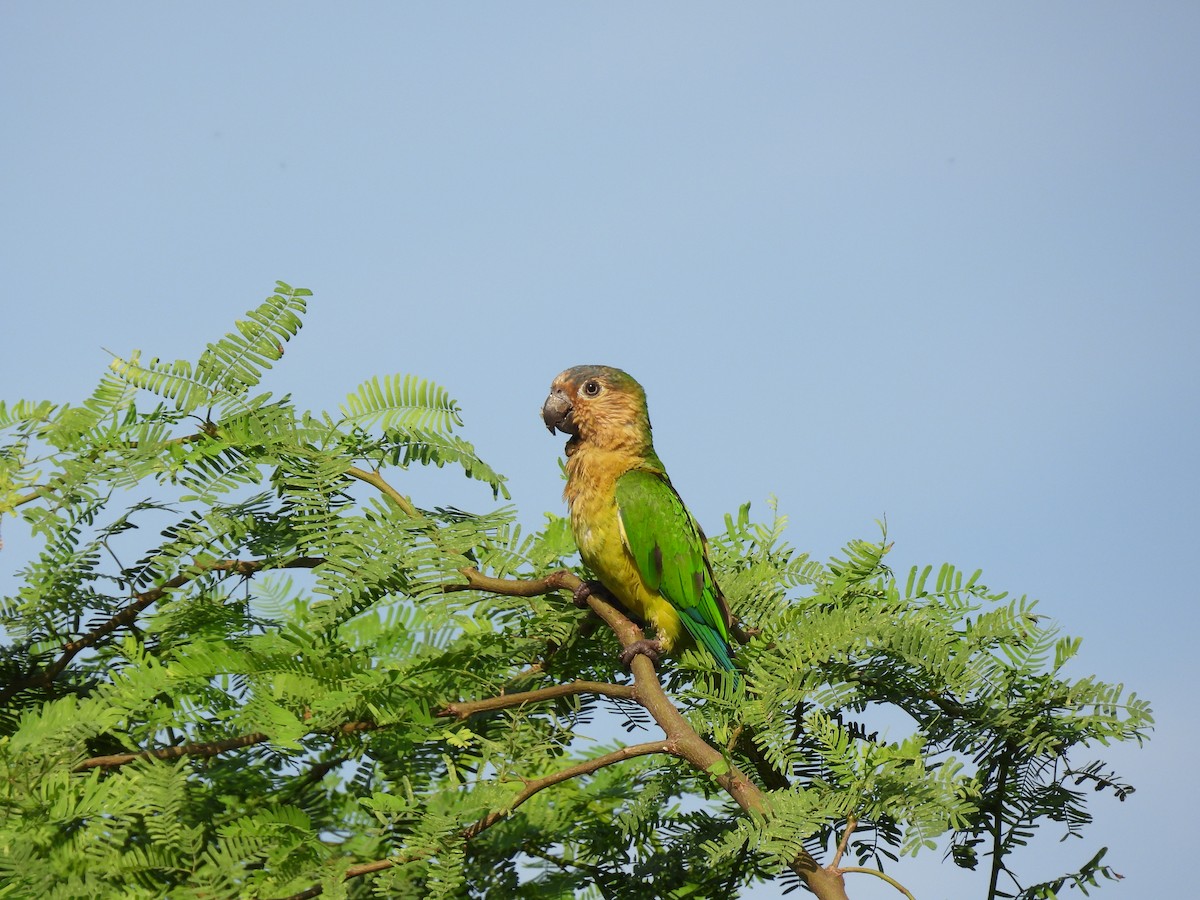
(930, 261)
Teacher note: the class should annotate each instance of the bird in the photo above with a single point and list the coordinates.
(630, 524)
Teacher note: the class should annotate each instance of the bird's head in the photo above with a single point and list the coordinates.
(599, 406)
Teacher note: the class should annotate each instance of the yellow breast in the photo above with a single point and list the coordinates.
(591, 497)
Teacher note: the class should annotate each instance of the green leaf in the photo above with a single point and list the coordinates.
(401, 401)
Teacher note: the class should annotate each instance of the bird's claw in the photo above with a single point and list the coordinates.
(580, 595)
(650, 649)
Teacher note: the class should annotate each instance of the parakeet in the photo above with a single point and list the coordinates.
(631, 526)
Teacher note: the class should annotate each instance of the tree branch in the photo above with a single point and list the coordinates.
(504, 701)
(458, 711)
(998, 824)
(376, 481)
(210, 748)
(140, 601)
(561, 580)
(206, 748)
(584, 768)
(38, 491)
(889, 879)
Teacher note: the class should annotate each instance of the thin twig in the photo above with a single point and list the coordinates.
(851, 824)
(140, 601)
(377, 481)
(584, 768)
(892, 881)
(39, 491)
(998, 824)
(459, 711)
(210, 748)
(559, 580)
(505, 701)
(207, 748)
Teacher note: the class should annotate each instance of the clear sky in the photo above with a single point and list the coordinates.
(938, 262)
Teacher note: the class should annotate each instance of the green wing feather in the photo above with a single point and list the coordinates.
(668, 550)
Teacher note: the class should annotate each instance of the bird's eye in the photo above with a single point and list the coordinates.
(591, 388)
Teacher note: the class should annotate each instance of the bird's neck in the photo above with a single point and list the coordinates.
(593, 469)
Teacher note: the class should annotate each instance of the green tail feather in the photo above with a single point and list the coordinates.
(708, 637)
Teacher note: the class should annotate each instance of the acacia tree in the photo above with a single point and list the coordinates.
(242, 663)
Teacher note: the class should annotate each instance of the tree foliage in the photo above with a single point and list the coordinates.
(241, 663)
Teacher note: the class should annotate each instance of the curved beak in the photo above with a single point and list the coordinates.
(556, 413)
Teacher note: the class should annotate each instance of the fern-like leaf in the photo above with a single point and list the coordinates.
(236, 362)
(401, 401)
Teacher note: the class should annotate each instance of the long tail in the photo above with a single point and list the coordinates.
(709, 638)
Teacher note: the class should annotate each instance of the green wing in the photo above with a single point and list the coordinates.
(668, 549)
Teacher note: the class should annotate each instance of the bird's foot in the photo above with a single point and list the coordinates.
(651, 649)
(580, 595)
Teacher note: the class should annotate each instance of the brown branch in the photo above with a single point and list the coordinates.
(39, 491)
(555, 581)
(505, 701)
(458, 711)
(376, 481)
(851, 824)
(584, 768)
(208, 748)
(560, 580)
(141, 600)
(878, 874)
(211, 748)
